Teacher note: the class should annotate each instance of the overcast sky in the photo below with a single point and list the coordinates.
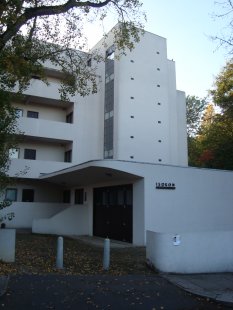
(187, 25)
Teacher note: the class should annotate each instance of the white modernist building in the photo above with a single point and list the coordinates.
(114, 164)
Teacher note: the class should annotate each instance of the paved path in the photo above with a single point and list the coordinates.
(99, 292)
(218, 286)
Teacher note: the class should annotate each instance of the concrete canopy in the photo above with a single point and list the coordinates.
(88, 173)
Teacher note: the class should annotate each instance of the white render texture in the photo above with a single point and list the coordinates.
(149, 147)
(195, 252)
(201, 201)
(7, 245)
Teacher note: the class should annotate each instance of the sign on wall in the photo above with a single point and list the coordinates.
(163, 185)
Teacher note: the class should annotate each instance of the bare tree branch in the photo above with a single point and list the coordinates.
(30, 13)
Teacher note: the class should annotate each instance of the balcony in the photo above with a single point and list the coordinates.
(24, 168)
(38, 87)
(40, 128)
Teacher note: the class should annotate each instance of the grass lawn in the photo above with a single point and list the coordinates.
(36, 254)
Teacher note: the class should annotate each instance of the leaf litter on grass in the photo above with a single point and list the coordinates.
(36, 254)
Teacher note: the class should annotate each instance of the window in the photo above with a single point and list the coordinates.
(79, 196)
(11, 194)
(69, 118)
(32, 114)
(131, 157)
(131, 97)
(132, 78)
(159, 103)
(18, 112)
(131, 116)
(13, 153)
(159, 141)
(158, 69)
(68, 156)
(89, 62)
(158, 85)
(159, 122)
(110, 52)
(131, 137)
(28, 195)
(132, 60)
(66, 196)
(29, 154)
(158, 53)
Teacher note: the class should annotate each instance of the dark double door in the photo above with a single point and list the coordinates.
(113, 212)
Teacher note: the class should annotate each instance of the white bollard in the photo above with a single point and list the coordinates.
(106, 259)
(59, 260)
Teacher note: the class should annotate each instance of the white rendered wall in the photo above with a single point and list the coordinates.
(202, 200)
(144, 127)
(46, 112)
(39, 88)
(88, 124)
(197, 252)
(72, 221)
(146, 107)
(33, 169)
(44, 150)
(26, 212)
(43, 191)
(182, 140)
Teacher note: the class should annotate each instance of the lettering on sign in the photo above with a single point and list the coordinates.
(163, 185)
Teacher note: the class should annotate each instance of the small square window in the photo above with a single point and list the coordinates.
(159, 122)
(11, 194)
(79, 196)
(158, 69)
(28, 195)
(29, 154)
(131, 116)
(13, 153)
(159, 103)
(131, 137)
(32, 114)
(132, 60)
(159, 141)
(131, 157)
(158, 85)
(131, 97)
(160, 159)
(132, 78)
(157, 52)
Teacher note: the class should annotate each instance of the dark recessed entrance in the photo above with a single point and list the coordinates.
(113, 210)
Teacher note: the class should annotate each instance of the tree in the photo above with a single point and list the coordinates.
(8, 140)
(34, 33)
(225, 39)
(223, 89)
(208, 116)
(216, 144)
(30, 35)
(194, 108)
(212, 147)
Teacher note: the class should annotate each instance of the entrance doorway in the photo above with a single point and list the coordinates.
(113, 212)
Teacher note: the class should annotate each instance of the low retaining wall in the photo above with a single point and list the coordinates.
(201, 252)
(71, 221)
